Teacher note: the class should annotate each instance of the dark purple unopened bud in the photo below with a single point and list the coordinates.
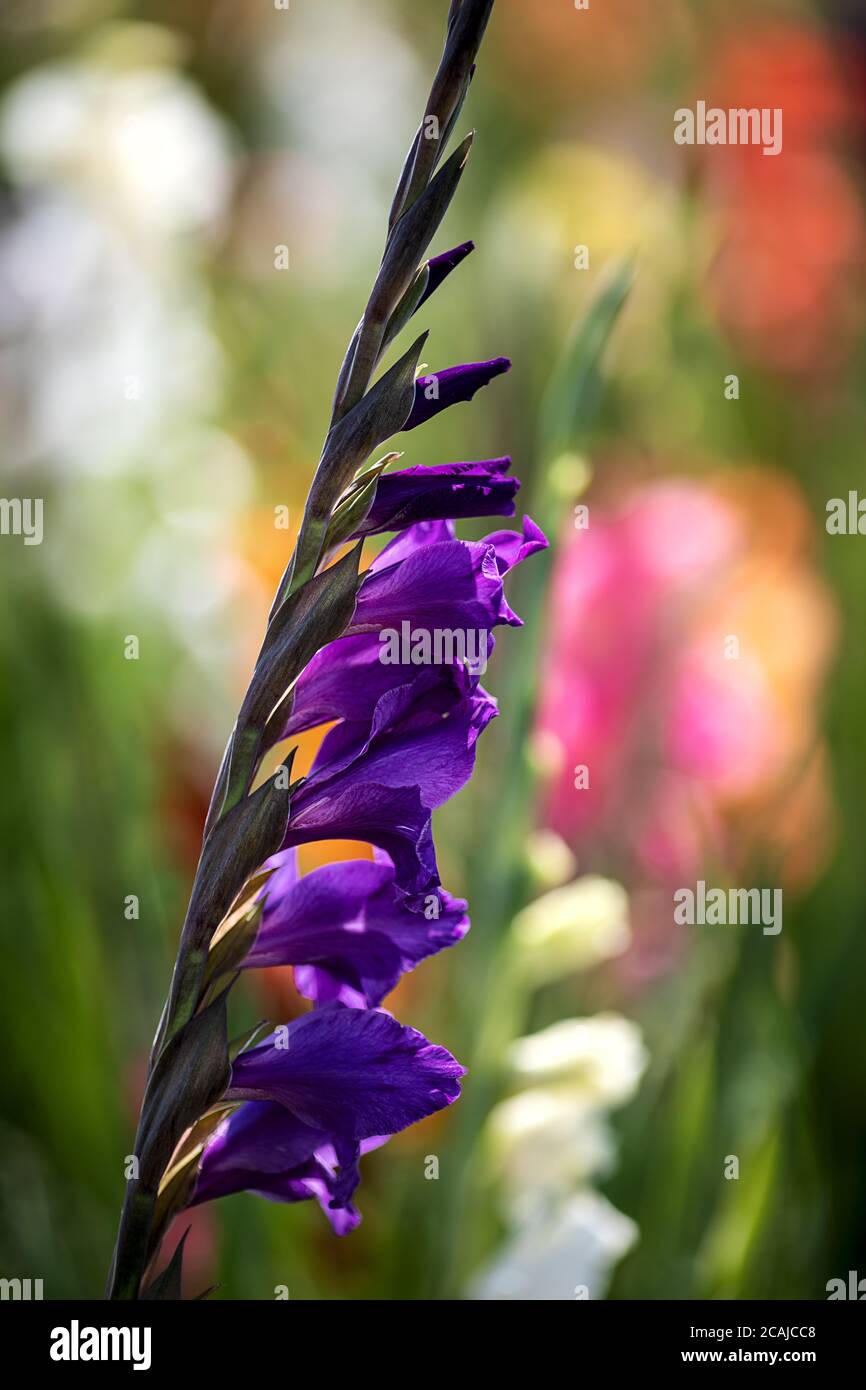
(440, 267)
(437, 390)
(444, 491)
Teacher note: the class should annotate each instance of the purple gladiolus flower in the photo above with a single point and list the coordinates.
(346, 680)
(437, 390)
(347, 930)
(379, 779)
(263, 1148)
(443, 584)
(317, 1094)
(428, 578)
(447, 490)
(376, 653)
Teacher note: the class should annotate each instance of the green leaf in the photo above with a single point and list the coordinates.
(191, 1075)
(167, 1285)
(572, 397)
(352, 509)
(455, 116)
(466, 24)
(407, 242)
(309, 618)
(177, 1183)
(239, 843)
(412, 234)
(238, 930)
(407, 306)
(227, 953)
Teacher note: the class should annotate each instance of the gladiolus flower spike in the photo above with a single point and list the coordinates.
(289, 1116)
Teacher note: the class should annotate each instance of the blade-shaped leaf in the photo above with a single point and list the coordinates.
(407, 306)
(239, 842)
(407, 242)
(190, 1076)
(466, 25)
(353, 508)
(412, 235)
(310, 617)
(167, 1285)
(227, 953)
(572, 396)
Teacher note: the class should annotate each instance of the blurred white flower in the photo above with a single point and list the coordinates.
(545, 1140)
(572, 928)
(554, 1135)
(545, 1143)
(108, 354)
(600, 1059)
(355, 127)
(142, 144)
(564, 1251)
(123, 174)
(107, 314)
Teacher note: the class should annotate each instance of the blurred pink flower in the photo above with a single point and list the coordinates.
(688, 638)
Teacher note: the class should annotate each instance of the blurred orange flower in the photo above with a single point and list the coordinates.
(556, 54)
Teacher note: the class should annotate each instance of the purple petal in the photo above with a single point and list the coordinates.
(512, 548)
(437, 390)
(350, 928)
(396, 820)
(405, 544)
(379, 779)
(452, 585)
(263, 1148)
(352, 1072)
(422, 735)
(346, 678)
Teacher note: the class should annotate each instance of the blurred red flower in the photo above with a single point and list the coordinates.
(787, 284)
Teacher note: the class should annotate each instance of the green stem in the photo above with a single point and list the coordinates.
(133, 1245)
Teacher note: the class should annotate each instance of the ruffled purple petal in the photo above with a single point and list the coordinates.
(453, 585)
(512, 548)
(348, 930)
(437, 390)
(434, 583)
(355, 1073)
(346, 678)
